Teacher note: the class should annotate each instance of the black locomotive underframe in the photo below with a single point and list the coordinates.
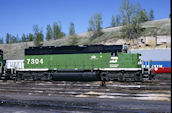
(79, 75)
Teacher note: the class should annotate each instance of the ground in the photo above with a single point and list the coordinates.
(86, 97)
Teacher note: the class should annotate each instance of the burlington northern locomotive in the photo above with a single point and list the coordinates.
(77, 63)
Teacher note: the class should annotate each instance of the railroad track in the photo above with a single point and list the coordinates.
(66, 96)
(133, 90)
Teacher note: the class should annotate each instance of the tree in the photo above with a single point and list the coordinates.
(73, 40)
(118, 18)
(113, 23)
(1, 40)
(17, 38)
(38, 34)
(35, 29)
(13, 39)
(8, 38)
(95, 23)
(27, 37)
(39, 38)
(57, 33)
(23, 38)
(71, 29)
(31, 37)
(151, 15)
(142, 16)
(126, 10)
(130, 20)
(49, 34)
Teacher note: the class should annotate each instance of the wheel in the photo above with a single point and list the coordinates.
(121, 78)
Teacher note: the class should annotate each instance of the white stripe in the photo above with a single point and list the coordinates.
(46, 69)
(108, 69)
(118, 69)
(114, 58)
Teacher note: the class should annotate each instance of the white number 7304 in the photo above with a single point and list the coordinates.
(35, 61)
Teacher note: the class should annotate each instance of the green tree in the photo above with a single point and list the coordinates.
(8, 38)
(27, 38)
(39, 38)
(57, 33)
(13, 39)
(23, 38)
(113, 22)
(130, 20)
(126, 10)
(38, 34)
(49, 34)
(31, 37)
(95, 23)
(142, 16)
(151, 15)
(71, 29)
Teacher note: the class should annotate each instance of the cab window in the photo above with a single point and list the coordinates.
(114, 53)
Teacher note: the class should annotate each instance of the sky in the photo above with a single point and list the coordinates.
(19, 16)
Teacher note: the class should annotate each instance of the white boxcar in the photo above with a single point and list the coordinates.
(15, 64)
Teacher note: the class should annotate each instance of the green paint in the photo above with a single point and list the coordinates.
(69, 61)
(81, 61)
(128, 60)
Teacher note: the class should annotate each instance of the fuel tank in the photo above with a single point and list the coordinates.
(75, 76)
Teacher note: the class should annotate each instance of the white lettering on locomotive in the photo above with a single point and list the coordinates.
(35, 61)
(113, 60)
(93, 57)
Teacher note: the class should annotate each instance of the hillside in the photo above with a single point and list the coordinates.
(110, 36)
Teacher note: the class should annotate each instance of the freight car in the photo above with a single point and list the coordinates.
(78, 63)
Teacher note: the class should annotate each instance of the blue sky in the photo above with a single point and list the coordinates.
(18, 16)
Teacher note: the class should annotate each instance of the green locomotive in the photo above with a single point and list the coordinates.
(80, 63)
(82, 60)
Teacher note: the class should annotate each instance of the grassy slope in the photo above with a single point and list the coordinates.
(110, 36)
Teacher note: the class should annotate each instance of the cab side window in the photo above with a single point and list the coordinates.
(114, 53)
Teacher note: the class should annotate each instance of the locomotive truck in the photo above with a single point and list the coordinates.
(77, 63)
